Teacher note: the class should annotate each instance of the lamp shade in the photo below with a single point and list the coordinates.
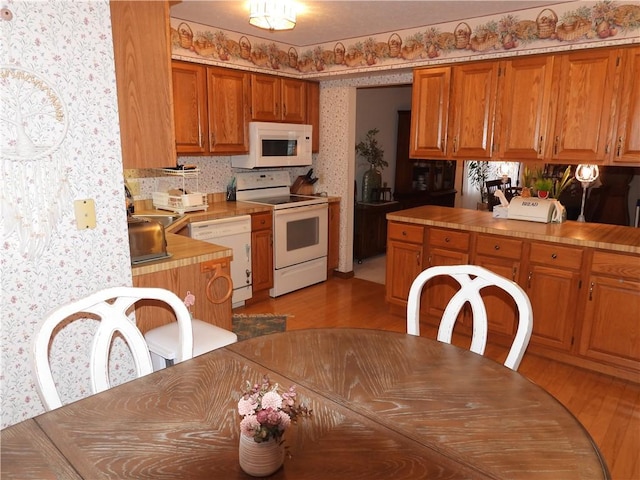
(272, 14)
(587, 173)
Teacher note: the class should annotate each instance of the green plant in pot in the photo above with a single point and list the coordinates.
(544, 187)
(374, 155)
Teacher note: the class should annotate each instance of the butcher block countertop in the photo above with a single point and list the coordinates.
(595, 235)
(187, 251)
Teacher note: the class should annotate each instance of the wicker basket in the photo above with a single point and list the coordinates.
(338, 52)
(186, 35)
(245, 48)
(483, 42)
(463, 35)
(293, 58)
(204, 47)
(395, 44)
(546, 23)
(573, 30)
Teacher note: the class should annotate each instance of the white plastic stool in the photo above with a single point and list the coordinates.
(163, 341)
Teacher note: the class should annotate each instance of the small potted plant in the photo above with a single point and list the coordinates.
(374, 155)
(543, 186)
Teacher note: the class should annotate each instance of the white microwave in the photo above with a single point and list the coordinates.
(276, 145)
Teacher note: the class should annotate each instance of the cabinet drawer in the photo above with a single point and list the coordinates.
(261, 221)
(556, 256)
(617, 265)
(449, 239)
(499, 247)
(406, 233)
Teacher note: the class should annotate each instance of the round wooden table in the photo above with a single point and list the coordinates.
(385, 405)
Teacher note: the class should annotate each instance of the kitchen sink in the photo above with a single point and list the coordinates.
(164, 219)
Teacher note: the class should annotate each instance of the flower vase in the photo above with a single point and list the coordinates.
(260, 459)
(372, 179)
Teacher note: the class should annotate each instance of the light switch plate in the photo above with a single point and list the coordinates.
(85, 213)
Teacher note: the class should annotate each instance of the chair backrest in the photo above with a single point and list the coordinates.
(492, 186)
(111, 306)
(472, 279)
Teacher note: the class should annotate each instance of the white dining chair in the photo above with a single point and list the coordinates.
(472, 279)
(112, 307)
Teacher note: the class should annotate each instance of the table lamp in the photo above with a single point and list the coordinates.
(585, 174)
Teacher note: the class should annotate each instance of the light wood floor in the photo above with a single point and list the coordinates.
(609, 408)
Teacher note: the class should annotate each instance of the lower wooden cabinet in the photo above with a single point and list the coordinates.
(611, 324)
(262, 251)
(553, 285)
(586, 302)
(333, 251)
(205, 280)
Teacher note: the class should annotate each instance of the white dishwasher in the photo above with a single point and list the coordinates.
(234, 233)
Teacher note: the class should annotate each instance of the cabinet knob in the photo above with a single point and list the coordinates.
(619, 149)
(554, 255)
(262, 222)
(404, 234)
(447, 239)
(496, 247)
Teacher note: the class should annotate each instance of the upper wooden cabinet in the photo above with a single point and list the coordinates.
(313, 113)
(472, 110)
(210, 109)
(430, 112)
(190, 107)
(626, 148)
(522, 114)
(278, 99)
(143, 77)
(585, 82)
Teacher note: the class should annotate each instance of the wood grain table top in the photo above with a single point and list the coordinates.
(385, 405)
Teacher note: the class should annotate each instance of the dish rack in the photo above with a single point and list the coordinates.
(187, 202)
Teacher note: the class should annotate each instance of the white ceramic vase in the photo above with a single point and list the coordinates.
(260, 459)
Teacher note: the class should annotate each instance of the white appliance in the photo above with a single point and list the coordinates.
(234, 233)
(300, 229)
(535, 209)
(276, 145)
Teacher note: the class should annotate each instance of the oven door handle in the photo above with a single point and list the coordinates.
(301, 209)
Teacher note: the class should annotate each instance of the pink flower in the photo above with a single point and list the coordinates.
(249, 425)
(189, 300)
(272, 400)
(247, 406)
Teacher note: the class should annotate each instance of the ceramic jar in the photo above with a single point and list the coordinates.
(260, 459)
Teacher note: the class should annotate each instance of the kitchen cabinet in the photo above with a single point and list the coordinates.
(278, 99)
(444, 247)
(420, 182)
(501, 255)
(190, 107)
(626, 139)
(313, 113)
(473, 104)
(333, 253)
(404, 260)
(522, 113)
(553, 285)
(142, 56)
(262, 251)
(430, 107)
(585, 82)
(611, 328)
(370, 228)
(210, 109)
(210, 279)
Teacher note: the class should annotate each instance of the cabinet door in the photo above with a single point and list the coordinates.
(627, 139)
(265, 98)
(523, 108)
(611, 326)
(585, 82)
(334, 236)
(142, 55)
(313, 113)
(190, 107)
(501, 309)
(227, 93)
(404, 263)
(430, 112)
(262, 251)
(294, 100)
(437, 293)
(474, 94)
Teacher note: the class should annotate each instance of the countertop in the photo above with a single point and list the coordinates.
(596, 235)
(187, 251)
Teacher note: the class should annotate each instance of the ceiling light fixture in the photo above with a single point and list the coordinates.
(272, 14)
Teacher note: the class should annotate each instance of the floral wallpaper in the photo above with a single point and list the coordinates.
(65, 48)
(564, 26)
